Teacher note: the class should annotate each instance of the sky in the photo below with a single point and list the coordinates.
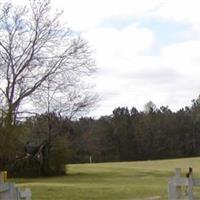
(144, 50)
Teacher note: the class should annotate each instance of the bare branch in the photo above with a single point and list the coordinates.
(35, 48)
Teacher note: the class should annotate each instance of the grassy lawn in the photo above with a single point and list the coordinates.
(110, 181)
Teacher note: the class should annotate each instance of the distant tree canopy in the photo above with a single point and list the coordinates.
(126, 135)
(136, 135)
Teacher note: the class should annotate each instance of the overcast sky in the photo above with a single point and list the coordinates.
(145, 50)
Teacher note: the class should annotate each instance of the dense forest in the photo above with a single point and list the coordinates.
(137, 135)
(155, 133)
(42, 144)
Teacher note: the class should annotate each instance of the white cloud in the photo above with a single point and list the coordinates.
(180, 10)
(83, 15)
(183, 56)
(170, 78)
(126, 43)
(130, 73)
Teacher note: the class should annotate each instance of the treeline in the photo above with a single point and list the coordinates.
(43, 144)
(134, 135)
(126, 135)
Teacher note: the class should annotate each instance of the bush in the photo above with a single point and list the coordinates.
(26, 168)
(11, 144)
(53, 163)
(59, 155)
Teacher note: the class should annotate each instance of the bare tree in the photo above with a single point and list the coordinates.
(35, 48)
(71, 100)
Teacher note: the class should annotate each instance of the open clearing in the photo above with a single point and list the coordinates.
(110, 181)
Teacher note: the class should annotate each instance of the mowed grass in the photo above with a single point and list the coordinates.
(110, 181)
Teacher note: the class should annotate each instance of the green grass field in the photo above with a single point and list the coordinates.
(110, 181)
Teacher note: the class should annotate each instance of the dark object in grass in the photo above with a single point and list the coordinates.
(189, 173)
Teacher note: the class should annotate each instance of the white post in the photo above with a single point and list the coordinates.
(178, 187)
(26, 194)
(90, 159)
(178, 172)
(190, 188)
(190, 184)
(171, 190)
(10, 192)
(176, 182)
